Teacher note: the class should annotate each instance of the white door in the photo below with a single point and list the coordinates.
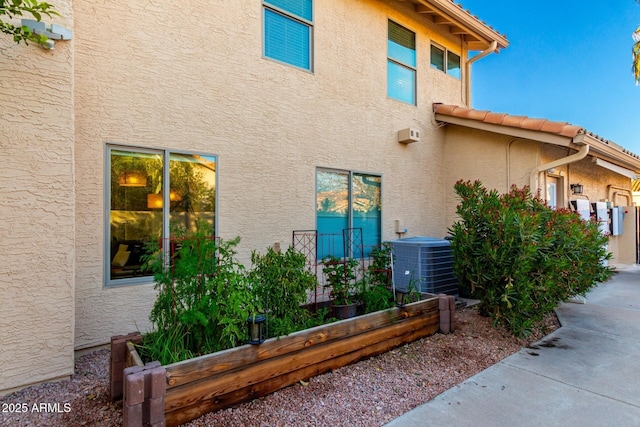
(552, 192)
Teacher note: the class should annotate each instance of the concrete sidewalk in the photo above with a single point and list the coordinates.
(586, 373)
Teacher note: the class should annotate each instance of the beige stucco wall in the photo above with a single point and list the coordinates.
(601, 184)
(500, 161)
(190, 76)
(37, 210)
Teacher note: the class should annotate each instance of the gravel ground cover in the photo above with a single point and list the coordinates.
(369, 393)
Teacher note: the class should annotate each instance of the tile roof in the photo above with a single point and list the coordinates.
(522, 122)
(476, 18)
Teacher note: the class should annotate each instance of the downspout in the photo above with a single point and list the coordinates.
(492, 48)
(535, 174)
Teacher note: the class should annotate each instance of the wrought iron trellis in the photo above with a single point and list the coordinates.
(311, 243)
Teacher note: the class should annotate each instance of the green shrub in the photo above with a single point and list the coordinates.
(280, 283)
(341, 275)
(520, 257)
(375, 297)
(380, 267)
(204, 297)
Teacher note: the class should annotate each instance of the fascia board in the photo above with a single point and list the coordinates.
(468, 22)
(612, 154)
(515, 132)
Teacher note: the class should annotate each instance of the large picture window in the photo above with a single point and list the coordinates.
(150, 193)
(344, 200)
(401, 64)
(288, 33)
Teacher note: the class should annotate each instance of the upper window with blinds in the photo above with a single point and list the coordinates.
(288, 32)
(401, 64)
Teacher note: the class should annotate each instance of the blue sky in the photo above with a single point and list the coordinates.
(571, 65)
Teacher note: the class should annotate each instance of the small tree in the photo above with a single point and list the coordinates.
(522, 258)
(18, 8)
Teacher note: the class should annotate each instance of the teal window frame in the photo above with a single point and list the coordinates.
(446, 61)
(288, 32)
(401, 63)
(174, 190)
(356, 203)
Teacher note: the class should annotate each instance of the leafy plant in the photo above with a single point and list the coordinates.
(18, 8)
(375, 297)
(380, 267)
(341, 277)
(520, 257)
(410, 294)
(280, 283)
(204, 297)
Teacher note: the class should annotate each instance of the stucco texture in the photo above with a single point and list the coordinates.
(191, 76)
(37, 211)
(500, 161)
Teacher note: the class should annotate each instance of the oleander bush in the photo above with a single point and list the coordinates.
(520, 257)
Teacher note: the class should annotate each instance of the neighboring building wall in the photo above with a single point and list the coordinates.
(500, 161)
(597, 183)
(37, 210)
(190, 76)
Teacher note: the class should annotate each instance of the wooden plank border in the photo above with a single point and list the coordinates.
(218, 380)
(215, 381)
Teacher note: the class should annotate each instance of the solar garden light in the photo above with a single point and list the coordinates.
(255, 328)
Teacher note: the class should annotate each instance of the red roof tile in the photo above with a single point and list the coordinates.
(522, 122)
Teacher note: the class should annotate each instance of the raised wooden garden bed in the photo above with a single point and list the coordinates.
(219, 380)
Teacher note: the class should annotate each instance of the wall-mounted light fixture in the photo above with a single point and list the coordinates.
(52, 32)
(576, 188)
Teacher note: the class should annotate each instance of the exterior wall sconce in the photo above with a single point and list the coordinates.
(52, 32)
(255, 327)
(576, 188)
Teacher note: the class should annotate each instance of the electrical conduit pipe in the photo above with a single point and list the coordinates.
(535, 174)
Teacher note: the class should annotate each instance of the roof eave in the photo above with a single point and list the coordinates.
(515, 132)
(476, 33)
(598, 148)
(612, 153)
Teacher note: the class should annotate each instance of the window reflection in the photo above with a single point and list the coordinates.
(138, 213)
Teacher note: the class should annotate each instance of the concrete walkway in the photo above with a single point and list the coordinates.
(586, 373)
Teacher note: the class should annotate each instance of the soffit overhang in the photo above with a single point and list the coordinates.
(539, 130)
(458, 21)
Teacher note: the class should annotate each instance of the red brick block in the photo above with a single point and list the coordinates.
(134, 388)
(445, 316)
(443, 302)
(132, 370)
(454, 323)
(452, 302)
(445, 328)
(154, 409)
(155, 382)
(132, 415)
